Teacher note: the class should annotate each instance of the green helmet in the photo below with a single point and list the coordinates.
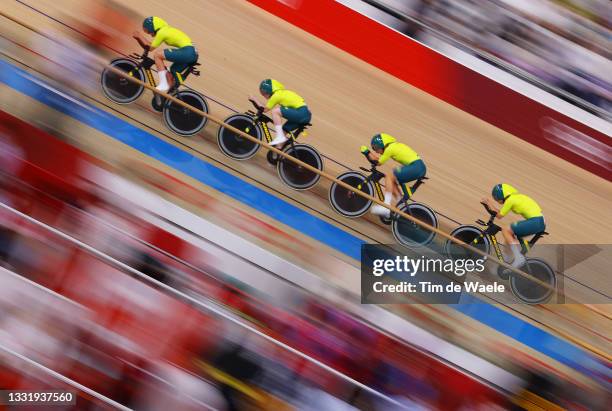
(377, 142)
(147, 25)
(266, 86)
(498, 192)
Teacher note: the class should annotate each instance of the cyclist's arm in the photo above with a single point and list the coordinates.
(143, 41)
(374, 156)
(505, 208)
(493, 207)
(259, 103)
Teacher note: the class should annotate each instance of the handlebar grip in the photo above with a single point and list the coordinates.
(486, 206)
(259, 108)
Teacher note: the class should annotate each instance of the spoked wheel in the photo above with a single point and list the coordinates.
(346, 202)
(297, 176)
(409, 233)
(526, 290)
(471, 235)
(118, 88)
(182, 120)
(235, 146)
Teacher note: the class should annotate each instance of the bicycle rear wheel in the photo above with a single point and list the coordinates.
(526, 290)
(346, 202)
(235, 146)
(409, 233)
(182, 120)
(296, 176)
(119, 89)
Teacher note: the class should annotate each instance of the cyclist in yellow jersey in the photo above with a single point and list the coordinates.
(523, 205)
(283, 104)
(182, 55)
(411, 167)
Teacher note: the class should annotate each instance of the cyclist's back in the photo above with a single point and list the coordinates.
(522, 205)
(399, 152)
(169, 35)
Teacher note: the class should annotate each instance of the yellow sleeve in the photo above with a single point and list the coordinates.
(158, 39)
(507, 206)
(274, 100)
(386, 155)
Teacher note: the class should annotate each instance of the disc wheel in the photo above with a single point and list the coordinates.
(119, 89)
(182, 120)
(234, 145)
(471, 235)
(409, 233)
(347, 202)
(528, 291)
(297, 176)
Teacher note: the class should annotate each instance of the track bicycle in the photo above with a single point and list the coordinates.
(255, 123)
(352, 205)
(177, 118)
(485, 240)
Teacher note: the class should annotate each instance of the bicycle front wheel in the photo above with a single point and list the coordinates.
(471, 235)
(409, 233)
(297, 176)
(526, 290)
(347, 202)
(182, 120)
(234, 145)
(118, 88)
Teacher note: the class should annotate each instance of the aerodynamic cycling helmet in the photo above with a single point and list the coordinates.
(147, 25)
(498, 192)
(377, 142)
(266, 86)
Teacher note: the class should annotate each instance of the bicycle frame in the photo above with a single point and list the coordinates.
(265, 128)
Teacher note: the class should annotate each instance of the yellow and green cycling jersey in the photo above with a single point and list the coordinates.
(522, 205)
(171, 36)
(397, 151)
(284, 98)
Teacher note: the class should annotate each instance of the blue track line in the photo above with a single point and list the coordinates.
(286, 213)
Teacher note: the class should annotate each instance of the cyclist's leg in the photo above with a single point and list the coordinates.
(295, 117)
(163, 75)
(277, 118)
(519, 230)
(399, 177)
(526, 228)
(408, 173)
(181, 59)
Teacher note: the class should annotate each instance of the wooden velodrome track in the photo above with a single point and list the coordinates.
(239, 45)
